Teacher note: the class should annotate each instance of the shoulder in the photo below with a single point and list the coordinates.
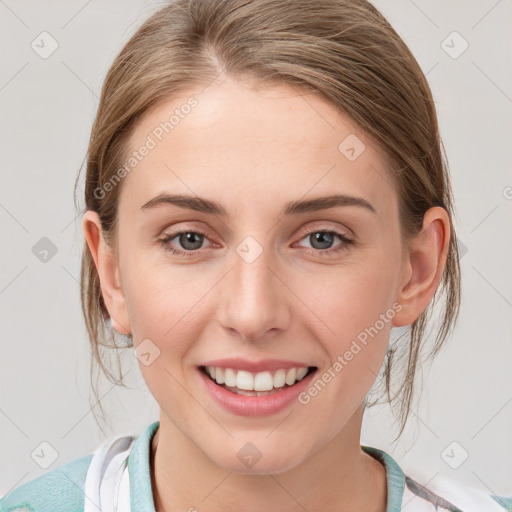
(60, 490)
(416, 490)
(447, 494)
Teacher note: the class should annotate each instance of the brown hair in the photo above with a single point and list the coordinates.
(345, 51)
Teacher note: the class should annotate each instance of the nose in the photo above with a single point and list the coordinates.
(255, 300)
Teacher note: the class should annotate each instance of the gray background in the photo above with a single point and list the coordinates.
(47, 107)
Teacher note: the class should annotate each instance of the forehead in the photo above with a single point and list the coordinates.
(249, 148)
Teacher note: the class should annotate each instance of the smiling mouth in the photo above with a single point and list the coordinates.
(264, 383)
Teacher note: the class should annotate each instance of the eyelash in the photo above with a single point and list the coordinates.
(346, 241)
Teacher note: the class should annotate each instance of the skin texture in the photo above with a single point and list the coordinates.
(253, 151)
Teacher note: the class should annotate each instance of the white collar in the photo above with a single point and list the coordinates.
(107, 483)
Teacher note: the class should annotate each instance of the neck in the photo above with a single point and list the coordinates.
(339, 477)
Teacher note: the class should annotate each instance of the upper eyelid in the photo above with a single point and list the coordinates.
(207, 231)
(327, 229)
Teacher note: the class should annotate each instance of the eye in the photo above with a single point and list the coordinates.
(190, 241)
(322, 240)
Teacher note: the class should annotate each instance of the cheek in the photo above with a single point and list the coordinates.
(165, 303)
(359, 315)
(350, 299)
(356, 306)
(165, 307)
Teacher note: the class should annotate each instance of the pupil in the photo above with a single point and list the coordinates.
(322, 238)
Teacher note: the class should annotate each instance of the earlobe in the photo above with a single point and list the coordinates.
(423, 266)
(108, 272)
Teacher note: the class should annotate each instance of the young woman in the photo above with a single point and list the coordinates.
(266, 199)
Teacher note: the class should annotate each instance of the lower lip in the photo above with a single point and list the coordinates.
(244, 405)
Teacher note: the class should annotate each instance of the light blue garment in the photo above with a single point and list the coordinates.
(63, 489)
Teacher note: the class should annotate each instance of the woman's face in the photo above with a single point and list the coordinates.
(255, 285)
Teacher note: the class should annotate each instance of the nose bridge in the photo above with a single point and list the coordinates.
(253, 302)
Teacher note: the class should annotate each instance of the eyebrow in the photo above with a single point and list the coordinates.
(203, 205)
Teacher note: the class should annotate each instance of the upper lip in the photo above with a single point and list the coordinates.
(255, 366)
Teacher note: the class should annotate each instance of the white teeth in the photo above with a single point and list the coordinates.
(229, 377)
(301, 373)
(244, 380)
(262, 381)
(219, 376)
(291, 376)
(280, 378)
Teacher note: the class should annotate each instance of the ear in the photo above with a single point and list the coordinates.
(108, 272)
(423, 266)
